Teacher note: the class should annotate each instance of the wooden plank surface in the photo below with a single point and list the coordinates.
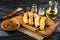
(31, 33)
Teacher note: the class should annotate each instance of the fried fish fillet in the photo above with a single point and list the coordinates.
(25, 17)
(42, 23)
(31, 21)
(36, 19)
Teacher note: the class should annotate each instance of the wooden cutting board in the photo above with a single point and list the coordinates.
(46, 32)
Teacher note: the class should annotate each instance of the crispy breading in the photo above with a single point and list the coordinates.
(31, 21)
(25, 17)
(42, 23)
(36, 19)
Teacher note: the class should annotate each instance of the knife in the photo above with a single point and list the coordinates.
(14, 12)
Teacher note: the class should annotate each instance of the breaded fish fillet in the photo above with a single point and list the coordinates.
(36, 19)
(25, 17)
(42, 23)
(31, 22)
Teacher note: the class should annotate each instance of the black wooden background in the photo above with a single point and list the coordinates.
(7, 6)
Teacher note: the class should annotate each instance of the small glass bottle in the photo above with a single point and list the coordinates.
(41, 11)
(28, 8)
(34, 8)
(52, 11)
